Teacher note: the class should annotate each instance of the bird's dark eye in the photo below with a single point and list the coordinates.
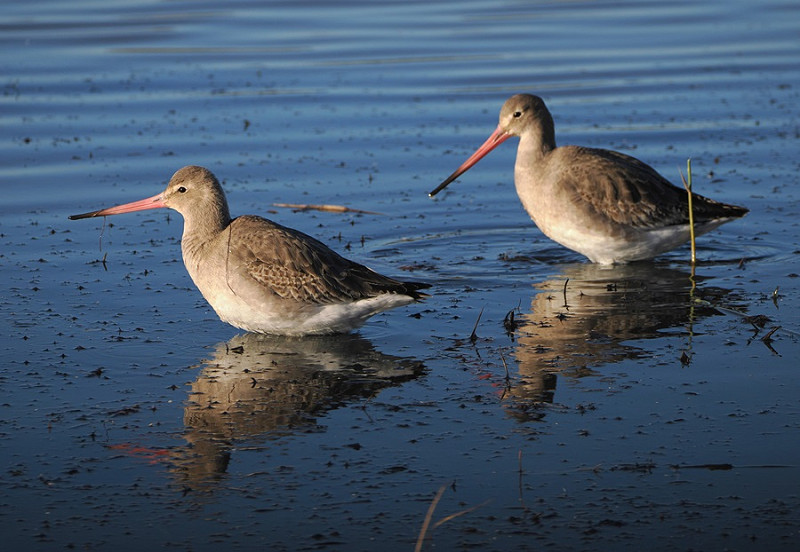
(182, 190)
(517, 114)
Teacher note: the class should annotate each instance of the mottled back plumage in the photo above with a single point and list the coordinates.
(296, 266)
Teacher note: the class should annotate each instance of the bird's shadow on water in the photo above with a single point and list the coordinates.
(586, 316)
(256, 388)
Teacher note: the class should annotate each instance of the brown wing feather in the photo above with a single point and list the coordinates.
(296, 266)
(630, 192)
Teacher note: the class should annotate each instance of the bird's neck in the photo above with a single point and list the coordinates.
(535, 147)
(537, 140)
(532, 151)
(202, 228)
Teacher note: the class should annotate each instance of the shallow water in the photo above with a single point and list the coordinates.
(622, 408)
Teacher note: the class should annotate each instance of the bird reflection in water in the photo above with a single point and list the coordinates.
(257, 387)
(585, 317)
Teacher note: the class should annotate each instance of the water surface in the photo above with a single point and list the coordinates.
(622, 408)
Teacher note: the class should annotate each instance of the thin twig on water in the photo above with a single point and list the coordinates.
(328, 208)
(687, 183)
(423, 532)
(507, 388)
(426, 524)
(473, 337)
(445, 519)
(505, 365)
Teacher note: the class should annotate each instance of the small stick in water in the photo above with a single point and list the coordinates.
(328, 208)
(687, 183)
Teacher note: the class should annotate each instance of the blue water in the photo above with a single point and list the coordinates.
(132, 418)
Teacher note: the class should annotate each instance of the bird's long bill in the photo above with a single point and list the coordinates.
(150, 203)
(498, 137)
